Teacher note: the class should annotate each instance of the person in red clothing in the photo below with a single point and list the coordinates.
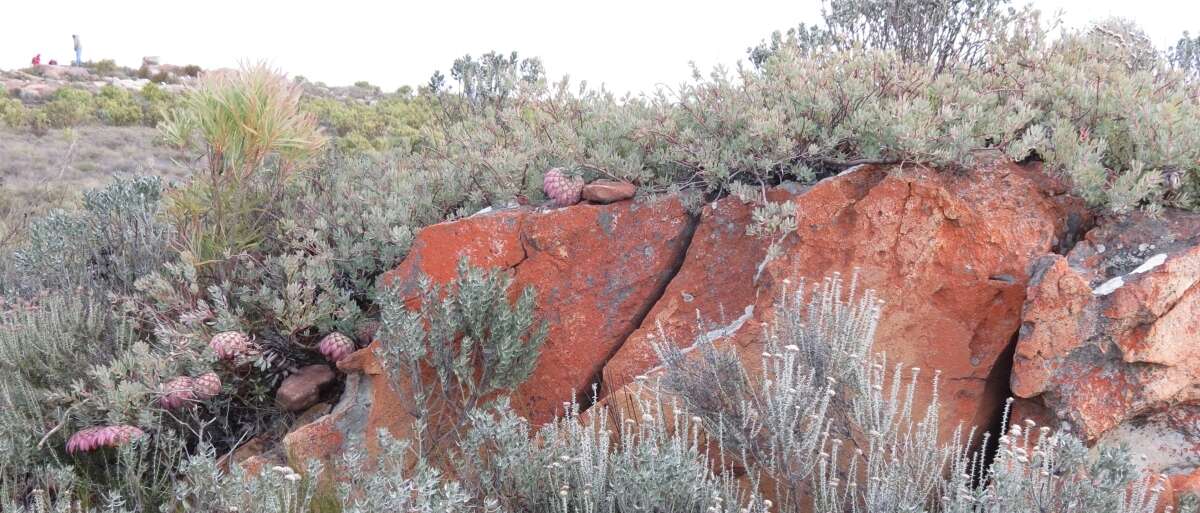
(37, 59)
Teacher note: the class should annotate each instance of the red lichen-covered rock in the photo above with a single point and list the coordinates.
(949, 253)
(596, 270)
(302, 389)
(1109, 334)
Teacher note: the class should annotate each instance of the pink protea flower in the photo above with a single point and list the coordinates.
(90, 439)
(561, 190)
(336, 346)
(207, 385)
(229, 344)
(177, 392)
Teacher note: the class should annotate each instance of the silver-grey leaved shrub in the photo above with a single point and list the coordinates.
(115, 238)
(464, 344)
(831, 428)
(70, 363)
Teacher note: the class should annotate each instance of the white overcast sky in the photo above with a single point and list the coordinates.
(629, 45)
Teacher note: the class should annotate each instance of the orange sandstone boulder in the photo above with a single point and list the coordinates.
(949, 253)
(597, 270)
(1111, 332)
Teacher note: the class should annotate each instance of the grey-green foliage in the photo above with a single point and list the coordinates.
(392, 484)
(938, 32)
(838, 430)
(203, 486)
(1093, 104)
(114, 239)
(69, 363)
(656, 461)
(1036, 470)
(1185, 54)
(362, 213)
(475, 341)
(45, 354)
(492, 78)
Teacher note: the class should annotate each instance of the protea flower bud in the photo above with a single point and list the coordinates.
(336, 346)
(561, 190)
(177, 392)
(90, 439)
(207, 385)
(229, 344)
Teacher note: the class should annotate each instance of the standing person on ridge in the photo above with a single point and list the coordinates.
(78, 50)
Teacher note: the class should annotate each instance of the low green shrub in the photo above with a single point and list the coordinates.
(117, 107)
(69, 107)
(13, 112)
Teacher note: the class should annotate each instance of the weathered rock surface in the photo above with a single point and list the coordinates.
(608, 191)
(1109, 341)
(949, 253)
(597, 270)
(302, 389)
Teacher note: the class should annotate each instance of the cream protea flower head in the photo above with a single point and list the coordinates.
(207, 385)
(229, 344)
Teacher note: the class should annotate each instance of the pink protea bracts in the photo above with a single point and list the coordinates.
(90, 439)
(206, 386)
(336, 346)
(561, 190)
(177, 392)
(229, 344)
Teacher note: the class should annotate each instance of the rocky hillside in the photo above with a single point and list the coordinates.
(998, 284)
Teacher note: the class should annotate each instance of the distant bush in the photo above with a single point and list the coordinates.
(13, 112)
(69, 107)
(393, 122)
(938, 32)
(156, 103)
(104, 68)
(116, 106)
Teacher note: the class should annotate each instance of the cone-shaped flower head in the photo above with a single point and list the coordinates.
(336, 346)
(207, 385)
(229, 344)
(562, 190)
(177, 392)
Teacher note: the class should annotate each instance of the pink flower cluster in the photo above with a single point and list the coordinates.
(561, 190)
(336, 346)
(90, 439)
(183, 390)
(230, 344)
